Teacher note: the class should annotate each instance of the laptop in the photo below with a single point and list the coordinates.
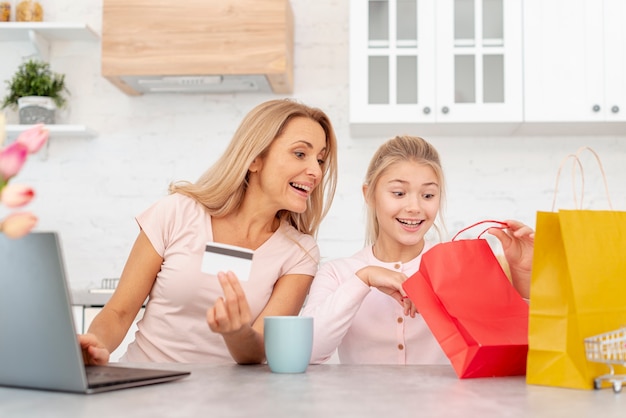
(38, 344)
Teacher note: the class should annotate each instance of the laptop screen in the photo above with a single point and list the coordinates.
(38, 345)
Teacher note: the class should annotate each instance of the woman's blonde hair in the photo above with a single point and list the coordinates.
(396, 150)
(222, 187)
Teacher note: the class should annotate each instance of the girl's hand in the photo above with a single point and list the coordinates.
(388, 282)
(518, 242)
(409, 307)
(231, 313)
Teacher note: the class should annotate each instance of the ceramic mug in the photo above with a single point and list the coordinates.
(288, 343)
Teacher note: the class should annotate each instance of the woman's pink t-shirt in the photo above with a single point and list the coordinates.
(174, 327)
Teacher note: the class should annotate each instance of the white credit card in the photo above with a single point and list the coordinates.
(223, 257)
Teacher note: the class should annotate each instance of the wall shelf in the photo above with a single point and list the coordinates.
(55, 31)
(40, 34)
(56, 131)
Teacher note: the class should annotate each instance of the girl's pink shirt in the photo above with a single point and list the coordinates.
(365, 325)
(174, 327)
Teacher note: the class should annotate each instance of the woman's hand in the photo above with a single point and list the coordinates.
(390, 283)
(518, 242)
(94, 352)
(231, 313)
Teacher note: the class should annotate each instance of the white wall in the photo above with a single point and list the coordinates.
(90, 189)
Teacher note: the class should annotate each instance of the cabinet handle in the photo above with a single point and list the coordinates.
(426, 110)
(596, 108)
(615, 109)
(445, 110)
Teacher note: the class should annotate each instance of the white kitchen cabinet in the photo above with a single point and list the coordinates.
(575, 61)
(435, 64)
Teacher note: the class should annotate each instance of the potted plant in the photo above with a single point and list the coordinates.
(37, 92)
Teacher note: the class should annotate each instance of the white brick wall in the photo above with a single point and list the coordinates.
(90, 190)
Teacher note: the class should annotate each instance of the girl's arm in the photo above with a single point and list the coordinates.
(518, 244)
(334, 300)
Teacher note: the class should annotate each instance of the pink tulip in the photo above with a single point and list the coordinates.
(12, 159)
(18, 224)
(33, 138)
(15, 195)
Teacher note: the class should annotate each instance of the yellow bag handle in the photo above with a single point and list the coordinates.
(576, 158)
(606, 186)
(558, 176)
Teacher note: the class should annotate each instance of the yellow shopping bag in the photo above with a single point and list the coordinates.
(578, 290)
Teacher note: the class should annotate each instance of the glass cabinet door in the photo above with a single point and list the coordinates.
(396, 67)
(393, 55)
(479, 64)
(426, 61)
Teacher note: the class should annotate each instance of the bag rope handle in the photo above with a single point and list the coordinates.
(606, 185)
(576, 158)
(502, 225)
(558, 176)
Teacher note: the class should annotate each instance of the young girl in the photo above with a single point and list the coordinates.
(268, 192)
(358, 302)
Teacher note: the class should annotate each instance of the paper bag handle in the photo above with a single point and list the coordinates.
(558, 176)
(502, 225)
(576, 158)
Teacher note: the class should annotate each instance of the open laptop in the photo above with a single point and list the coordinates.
(38, 344)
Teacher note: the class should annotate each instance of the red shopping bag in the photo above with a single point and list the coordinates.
(470, 306)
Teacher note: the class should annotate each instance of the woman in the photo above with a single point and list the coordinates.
(268, 192)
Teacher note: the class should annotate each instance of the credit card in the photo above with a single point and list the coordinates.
(223, 257)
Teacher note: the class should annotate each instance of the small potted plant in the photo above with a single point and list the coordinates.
(37, 92)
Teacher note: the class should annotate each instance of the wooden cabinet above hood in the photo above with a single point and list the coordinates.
(198, 45)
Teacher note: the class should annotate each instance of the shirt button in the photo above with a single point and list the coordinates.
(400, 347)
(396, 266)
(400, 320)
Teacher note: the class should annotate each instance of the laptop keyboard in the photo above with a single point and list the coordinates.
(98, 376)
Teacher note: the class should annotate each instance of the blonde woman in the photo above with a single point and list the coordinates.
(358, 303)
(268, 192)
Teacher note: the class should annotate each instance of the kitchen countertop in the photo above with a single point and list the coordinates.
(86, 298)
(323, 391)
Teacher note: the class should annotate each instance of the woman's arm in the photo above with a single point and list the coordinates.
(231, 317)
(110, 326)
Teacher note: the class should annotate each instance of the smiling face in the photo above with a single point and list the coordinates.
(406, 202)
(284, 178)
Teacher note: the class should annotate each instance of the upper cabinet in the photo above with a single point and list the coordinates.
(575, 61)
(435, 66)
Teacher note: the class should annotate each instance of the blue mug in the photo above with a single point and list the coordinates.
(288, 343)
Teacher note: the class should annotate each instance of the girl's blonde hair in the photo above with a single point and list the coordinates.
(222, 187)
(396, 150)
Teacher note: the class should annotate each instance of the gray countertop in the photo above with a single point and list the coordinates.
(323, 391)
(86, 297)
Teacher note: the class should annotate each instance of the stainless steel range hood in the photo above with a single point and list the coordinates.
(198, 46)
(198, 84)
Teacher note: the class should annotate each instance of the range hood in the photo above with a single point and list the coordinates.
(198, 46)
